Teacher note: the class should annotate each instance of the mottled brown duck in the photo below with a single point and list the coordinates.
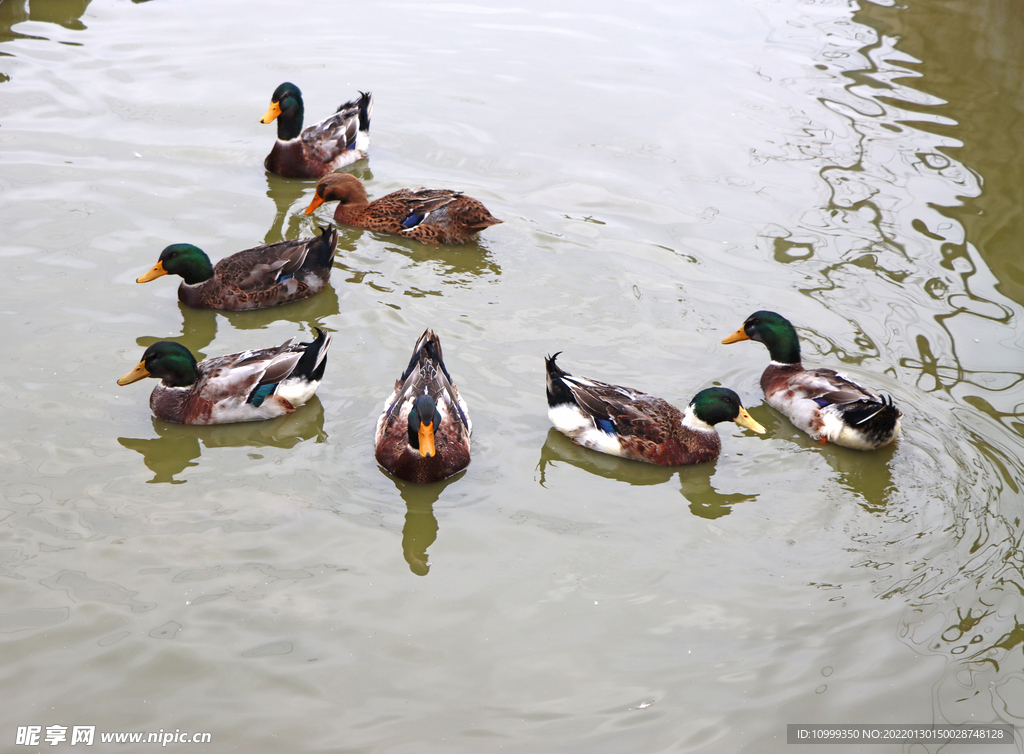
(433, 216)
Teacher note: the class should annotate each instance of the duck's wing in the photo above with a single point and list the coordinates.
(347, 129)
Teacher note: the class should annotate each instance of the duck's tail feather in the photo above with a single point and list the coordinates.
(875, 417)
(558, 391)
(313, 361)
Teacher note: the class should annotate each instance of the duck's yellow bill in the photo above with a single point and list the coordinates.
(736, 337)
(746, 420)
(427, 440)
(272, 112)
(317, 201)
(157, 271)
(139, 373)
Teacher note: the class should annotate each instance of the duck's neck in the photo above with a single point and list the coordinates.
(784, 347)
(693, 422)
(289, 122)
(351, 204)
(197, 270)
(175, 372)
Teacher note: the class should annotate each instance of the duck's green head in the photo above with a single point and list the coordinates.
(167, 361)
(720, 404)
(424, 419)
(775, 331)
(286, 109)
(184, 259)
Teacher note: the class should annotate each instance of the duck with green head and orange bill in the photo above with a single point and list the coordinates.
(423, 433)
(433, 216)
(336, 141)
(825, 404)
(628, 423)
(256, 278)
(240, 387)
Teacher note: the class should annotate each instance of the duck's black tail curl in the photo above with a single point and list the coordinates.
(314, 359)
(558, 391)
(877, 418)
(323, 248)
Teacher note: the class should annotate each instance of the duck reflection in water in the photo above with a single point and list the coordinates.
(866, 477)
(287, 195)
(695, 481)
(457, 266)
(67, 13)
(198, 331)
(177, 446)
(420, 528)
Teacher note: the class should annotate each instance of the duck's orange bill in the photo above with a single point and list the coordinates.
(157, 271)
(272, 112)
(736, 337)
(140, 372)
(427, 440)
(317, 201)
(746, 420)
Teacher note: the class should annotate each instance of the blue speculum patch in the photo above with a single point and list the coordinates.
(260, 394)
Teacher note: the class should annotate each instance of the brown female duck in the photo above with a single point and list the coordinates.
(434, 216)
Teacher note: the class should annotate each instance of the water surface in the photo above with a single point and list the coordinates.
(662, 170)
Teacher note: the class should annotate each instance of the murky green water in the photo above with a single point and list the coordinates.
(663, 170)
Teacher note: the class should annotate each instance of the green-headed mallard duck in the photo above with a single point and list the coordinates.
(433, 216)
(239, 387)
(334, 142)
(821, 402)
(252, 279)
(423, 433)
(624, 422)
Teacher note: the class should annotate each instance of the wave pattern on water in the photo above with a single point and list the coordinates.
(883, 147)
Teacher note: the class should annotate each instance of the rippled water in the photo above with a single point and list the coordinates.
(663, 170)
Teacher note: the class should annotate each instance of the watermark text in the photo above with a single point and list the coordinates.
(85, 735)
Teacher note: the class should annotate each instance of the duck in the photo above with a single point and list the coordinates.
(433, 216)
(240, 387)
(628, 423)
(423, 433)
(825, 404)
(311, 153)
(256, 278)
